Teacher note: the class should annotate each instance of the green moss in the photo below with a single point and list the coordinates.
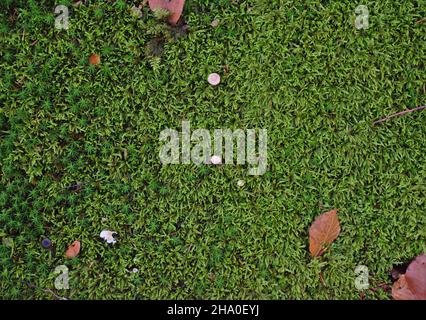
(301, 71)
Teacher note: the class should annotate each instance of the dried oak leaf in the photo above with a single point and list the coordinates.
(94, 59)
(324, 230)
(412, 284)
(73, 250)
(175, 7)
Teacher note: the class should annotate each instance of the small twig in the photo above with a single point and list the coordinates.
(54, 294)
(33, 286)
(398, 114)
(421, 20)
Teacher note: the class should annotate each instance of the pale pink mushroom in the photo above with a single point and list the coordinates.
(215, 23)
(214, 79)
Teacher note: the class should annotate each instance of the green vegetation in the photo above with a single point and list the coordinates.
(79, 148)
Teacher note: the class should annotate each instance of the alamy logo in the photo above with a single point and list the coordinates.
(361, 280)
(62, 280)
(61, 21)
(197, 147)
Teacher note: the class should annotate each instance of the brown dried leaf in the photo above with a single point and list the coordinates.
(73, 250)
(324, 230)
(412, 284)
(400, 290)
(175, 7)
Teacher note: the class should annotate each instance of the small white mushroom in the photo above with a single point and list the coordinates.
(108, 236)
(240, 183)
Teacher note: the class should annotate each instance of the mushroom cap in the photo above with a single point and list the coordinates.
(108, 236)
(46, 243)
(214, 79)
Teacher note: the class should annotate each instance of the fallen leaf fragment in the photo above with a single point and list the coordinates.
(412, 284)
(73, 250)
(400, 290)
(399, 270)
(108, 236)
(94, 59)
(175, 7)
(324, 230)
